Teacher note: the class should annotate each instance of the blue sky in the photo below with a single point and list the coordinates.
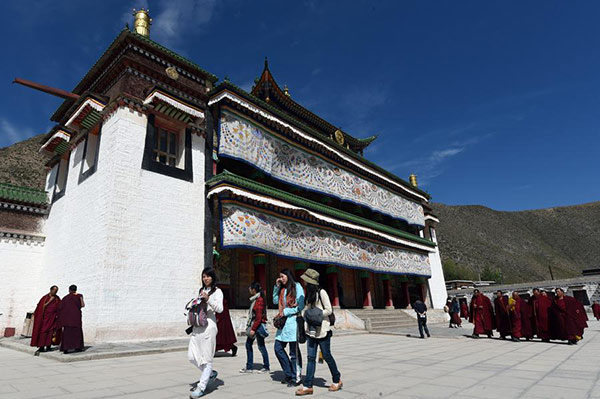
(491, 103)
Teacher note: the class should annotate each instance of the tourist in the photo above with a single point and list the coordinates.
(481, 314)
(455, 313)
(203, 339)
(502, 316)
(596, 310)
(540, 305)
(44, 322)
(464, 310)
(567, 318)
(421, 310)
(289, 296)
(256, 328)
(225, 333)
(69, 319)
(320, 335)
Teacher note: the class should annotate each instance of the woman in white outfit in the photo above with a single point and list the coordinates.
(203, 340)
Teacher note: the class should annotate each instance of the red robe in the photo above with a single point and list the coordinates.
(44, 322)
(526, 327)
(596, 310)
(540, 307)
(568, 318)
(225, 334)
(515, 318)
(481, 315)
(464, 310)
(69, 318)
(502, 316)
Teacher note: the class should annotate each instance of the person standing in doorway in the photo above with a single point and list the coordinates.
(44, 322)
(256, 329)
(69, 319)
(288, 295)
(319, 336)
(203, 339)
(421, 310)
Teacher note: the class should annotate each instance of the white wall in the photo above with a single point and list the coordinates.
(20, 267)
(437, 283)
(132, 240)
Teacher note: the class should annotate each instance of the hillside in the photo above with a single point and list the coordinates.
(521, 244)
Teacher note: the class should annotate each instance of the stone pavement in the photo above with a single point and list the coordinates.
(372, 366)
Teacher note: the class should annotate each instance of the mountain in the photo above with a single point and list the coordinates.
(522, 245)
(22, 164)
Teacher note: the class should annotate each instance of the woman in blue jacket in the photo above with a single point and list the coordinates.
(289, 296)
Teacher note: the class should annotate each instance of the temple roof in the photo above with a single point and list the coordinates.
(268, 90)
(227, 177)
(23, 195)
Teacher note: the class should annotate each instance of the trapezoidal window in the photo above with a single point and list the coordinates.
(90, 153)
(60, 185)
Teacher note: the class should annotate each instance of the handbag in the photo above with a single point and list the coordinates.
(301, 332)
(197, 313)
(279, 321)
(331, 316)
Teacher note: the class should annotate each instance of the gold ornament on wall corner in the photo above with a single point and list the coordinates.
(172, 73)
(339, 137)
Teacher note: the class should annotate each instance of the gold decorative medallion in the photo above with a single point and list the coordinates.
(339, 137)
(172, 72)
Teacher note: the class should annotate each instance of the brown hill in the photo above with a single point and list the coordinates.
(522, 245)
(22, 164)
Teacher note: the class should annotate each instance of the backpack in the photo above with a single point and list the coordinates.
(332, 315)
(197, 312)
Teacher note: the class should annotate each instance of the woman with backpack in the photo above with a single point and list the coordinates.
(289, 296)
(256, 329)
(318, 306)
(203, 338)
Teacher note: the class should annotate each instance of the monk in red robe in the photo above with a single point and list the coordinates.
(226, 334)
(596, 310)
(44, 322)
(464, 310)
(540, 306)
(568, 318)
(481, 314)
(526, 326)
(502, 316)
(69, 318)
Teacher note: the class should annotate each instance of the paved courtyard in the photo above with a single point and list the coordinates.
(373, 366)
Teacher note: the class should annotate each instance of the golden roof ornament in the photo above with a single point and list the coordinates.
(413, 180)
(172, 73)
(286, 91)
(142, 22)
(339, 137)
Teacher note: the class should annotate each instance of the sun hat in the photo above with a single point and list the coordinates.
(311, 276)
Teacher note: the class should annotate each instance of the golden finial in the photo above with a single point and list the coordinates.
(142, 22)
(413, 180)
(286, 91)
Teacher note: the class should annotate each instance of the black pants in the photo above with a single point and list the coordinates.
(423, 325)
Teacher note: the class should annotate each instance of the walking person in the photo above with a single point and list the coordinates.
(256, 329)
(69, 319)
(203, 338)
(318, 333)
(481, 314)
(44, 322)
(502, 315)
(289, 296)
(421, 310)
(455, 313)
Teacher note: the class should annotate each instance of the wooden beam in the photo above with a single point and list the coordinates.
(67, 95)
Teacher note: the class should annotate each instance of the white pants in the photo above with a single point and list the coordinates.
(206, 370)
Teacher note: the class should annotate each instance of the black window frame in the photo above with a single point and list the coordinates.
(84, 175)
(58, 195)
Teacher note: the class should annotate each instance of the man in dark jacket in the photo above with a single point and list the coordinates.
(421, 310)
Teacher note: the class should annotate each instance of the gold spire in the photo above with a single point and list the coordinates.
(286, 91)
(413, 180)
(142, 22)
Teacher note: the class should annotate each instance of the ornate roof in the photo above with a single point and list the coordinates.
(23, 195)
(268, 90)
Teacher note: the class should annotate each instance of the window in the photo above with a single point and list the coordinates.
(168, 149)
(432, 234)
(60, 185)
(91, 150)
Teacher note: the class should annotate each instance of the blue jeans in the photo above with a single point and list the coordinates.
(260, 341)
(311, 347)
(288, 365)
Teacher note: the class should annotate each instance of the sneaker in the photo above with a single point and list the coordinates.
(304, 391)
(246, 371)
(336, 387)
(263, 371)
(196, 393)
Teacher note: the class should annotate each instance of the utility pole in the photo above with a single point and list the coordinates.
(551, 275)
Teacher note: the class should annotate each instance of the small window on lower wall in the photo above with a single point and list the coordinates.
(168, 149)
(60, 186)
(90, 153)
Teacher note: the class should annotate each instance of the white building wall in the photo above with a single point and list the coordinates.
(132, 240)
(20, 268)
(437, 283)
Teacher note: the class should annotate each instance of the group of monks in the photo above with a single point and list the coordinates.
(560, 318)
(58, 321)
